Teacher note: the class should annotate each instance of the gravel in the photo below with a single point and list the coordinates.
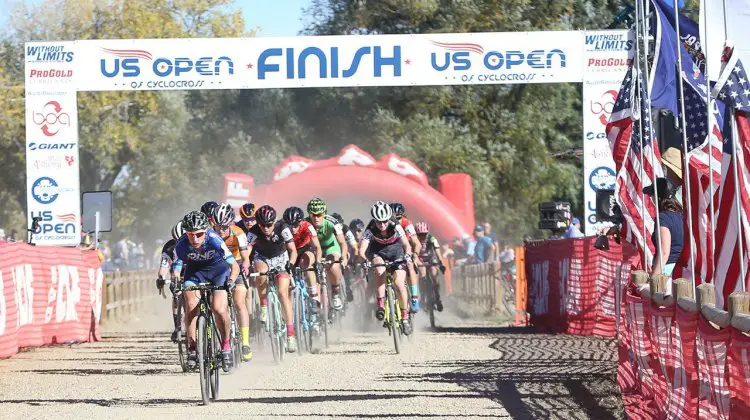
(464, 369)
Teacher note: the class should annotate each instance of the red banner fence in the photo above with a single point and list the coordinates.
(674, 362)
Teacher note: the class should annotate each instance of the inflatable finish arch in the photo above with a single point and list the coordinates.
(354, 180)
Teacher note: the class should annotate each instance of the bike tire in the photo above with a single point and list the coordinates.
(215, 361)
(281, 332)
(257, 326)
(323, 319)
(235, 337)
(393, 319)
(308, 332)
(182, 349)
(431, 298)
(272, 328)
(298, 317)
(204, 363)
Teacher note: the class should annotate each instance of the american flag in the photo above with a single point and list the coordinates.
(701, 140)
(635, 170)
(736, 95)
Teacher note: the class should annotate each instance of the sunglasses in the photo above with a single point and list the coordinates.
(249, 220)
(196, 235)
(223, 227)
(267, 225)
(317, 215)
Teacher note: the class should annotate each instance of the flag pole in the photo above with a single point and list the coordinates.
(685, 157)
(709, 113)
(641, 59)
(737, 189)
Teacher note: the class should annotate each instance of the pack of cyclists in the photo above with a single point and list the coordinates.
(215, 246)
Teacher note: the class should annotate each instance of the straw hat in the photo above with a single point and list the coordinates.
(672, 159)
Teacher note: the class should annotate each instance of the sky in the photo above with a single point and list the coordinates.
(272, 17)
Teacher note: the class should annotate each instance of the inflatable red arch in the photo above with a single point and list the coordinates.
(353, 180)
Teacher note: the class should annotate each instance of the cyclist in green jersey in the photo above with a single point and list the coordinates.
(332, 241)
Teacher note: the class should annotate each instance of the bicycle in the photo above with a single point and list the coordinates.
(304, 318)
(392, 319)
(208, 342)
(175, 286)
(427, 287)
(234, 334)
(254, 309)
(327, 316)
(274, 326)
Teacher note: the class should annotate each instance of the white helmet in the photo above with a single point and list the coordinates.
(177, 231)
(381, 211)
(223, 214)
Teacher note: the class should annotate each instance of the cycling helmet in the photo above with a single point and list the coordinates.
(381, 211)
(293, 215)
(247, 210)
(317, 206)
(194, 220)
(265, 215)
(356, 225)
(398, 209)
(422, 228)
(223, 214)
(208, 207)
(177, 231)
(338, 218)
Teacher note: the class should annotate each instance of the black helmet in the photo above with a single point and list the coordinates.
(208, 208)
(293, 215)
(357, 225)
(338, 218)
(193, 221)
(265, 215)
(398, 209)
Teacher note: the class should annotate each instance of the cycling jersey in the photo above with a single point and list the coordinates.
(328, 231)
(430, 248)
(210, 262)
(167, 254)
(242, 226)
(273, 246)
(408, 227)
(236, 241)
(391, 235)
(304, 234)
(349, 236)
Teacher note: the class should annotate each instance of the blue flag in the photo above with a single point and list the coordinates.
(689, 34)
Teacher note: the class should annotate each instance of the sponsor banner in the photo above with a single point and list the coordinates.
(48, 295)
(52, 170)
(238, 188)
(50, 64)
(607, 56)
(383, 60)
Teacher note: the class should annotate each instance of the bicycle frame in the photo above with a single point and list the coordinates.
(392, 305)
(275, 326)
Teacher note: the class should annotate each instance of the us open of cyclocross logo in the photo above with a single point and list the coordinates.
(45, 190)
(51, 119)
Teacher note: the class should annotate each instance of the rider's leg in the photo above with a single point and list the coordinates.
(335, 275)
(282, 281)
(220, 308)
(243, 315)
(262, 282)
(305, 261)
(380, 288)
(191, 316)
(398, 279)
(436, 288)
(413, 286)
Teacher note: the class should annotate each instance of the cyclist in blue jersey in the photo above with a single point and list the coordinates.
(207, 260)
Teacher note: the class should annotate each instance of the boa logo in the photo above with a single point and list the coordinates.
(64, 294)
(294, 165)
(354, 156)
(23, 276)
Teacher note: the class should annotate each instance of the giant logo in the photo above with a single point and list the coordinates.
(330, 64)
(52, 146)
(45, 190)
(48, 54)
(602, 177)
(465, 56)
(51, 119)
(132, 63)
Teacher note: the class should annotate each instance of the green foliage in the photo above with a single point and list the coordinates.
(163, 152)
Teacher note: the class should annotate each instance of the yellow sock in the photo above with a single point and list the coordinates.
(245, 335)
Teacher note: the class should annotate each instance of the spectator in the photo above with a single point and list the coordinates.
(490, 234)
(484, 248)
(121, 257)
(574, 230)
(13, 236)
(508, 255)
(670, 240)
(470, 244)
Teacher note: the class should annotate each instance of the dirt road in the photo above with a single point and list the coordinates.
(462, 370)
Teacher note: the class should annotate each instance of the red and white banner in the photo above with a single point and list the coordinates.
(48, 295)
(574, 287)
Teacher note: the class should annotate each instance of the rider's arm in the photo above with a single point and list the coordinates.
(352, 241)
(318, 249)
(288, 238)
(363, 244)
(244, 251)
(342, 243)
(404, 240)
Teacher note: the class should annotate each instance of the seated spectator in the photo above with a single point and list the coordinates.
(670, 239)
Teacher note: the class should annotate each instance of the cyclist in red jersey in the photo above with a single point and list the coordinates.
(411, 234)
(308, 249)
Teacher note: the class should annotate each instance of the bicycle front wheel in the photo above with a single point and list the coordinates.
(273, 327)
(323, 319)
(298, 309)
(236, 337)
(181, 338)
(204, 358)
(215, 359)
(393, 324)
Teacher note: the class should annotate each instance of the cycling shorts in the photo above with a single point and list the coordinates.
(215, 274)
(389, 253)
(277, 263)
(333, 249)
(309, 247)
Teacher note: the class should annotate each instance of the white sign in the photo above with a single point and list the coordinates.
(608, 55)
(364, 60)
